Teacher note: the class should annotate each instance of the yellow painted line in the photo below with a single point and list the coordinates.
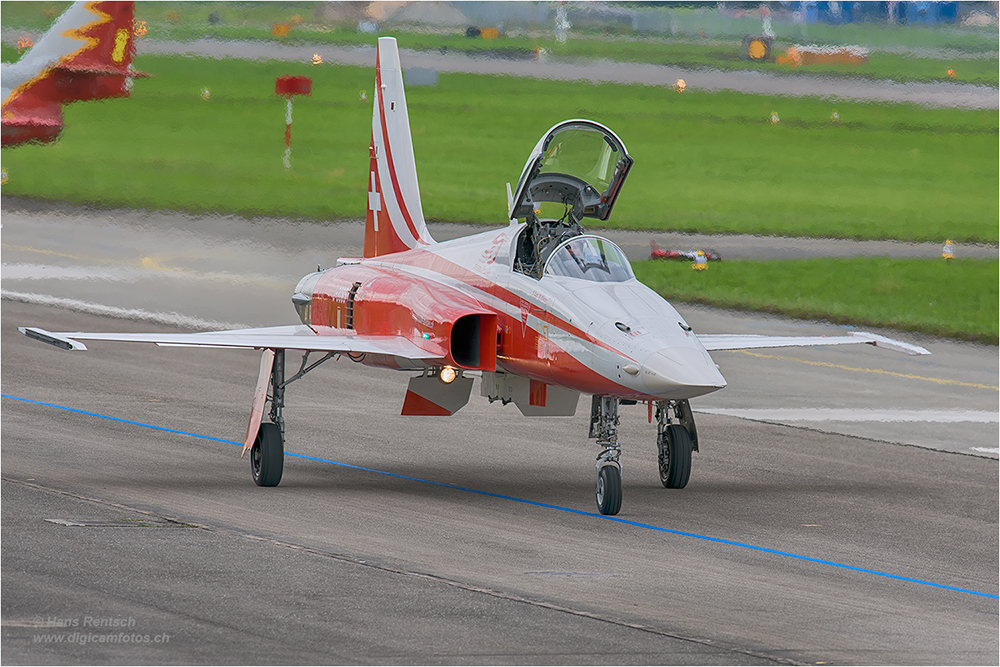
(152, 263)
(872, 370)
(25, 248)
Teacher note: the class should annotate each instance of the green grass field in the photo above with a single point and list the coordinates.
(957, 299)
(704, 162)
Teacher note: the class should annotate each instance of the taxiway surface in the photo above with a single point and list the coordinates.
(938, 94)
(470, 539)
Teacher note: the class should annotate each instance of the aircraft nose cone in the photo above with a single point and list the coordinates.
(681, 373)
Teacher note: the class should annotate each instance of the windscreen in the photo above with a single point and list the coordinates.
(590, 258)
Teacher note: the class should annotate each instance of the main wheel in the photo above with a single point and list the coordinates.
(609, 490)
(675, 457)
(267, 455)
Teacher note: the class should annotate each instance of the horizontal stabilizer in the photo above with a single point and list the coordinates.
(428, 396)
(750, 341)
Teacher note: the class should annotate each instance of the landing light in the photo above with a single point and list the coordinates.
(448, 375)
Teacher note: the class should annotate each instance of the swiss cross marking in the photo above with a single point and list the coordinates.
(374, 201)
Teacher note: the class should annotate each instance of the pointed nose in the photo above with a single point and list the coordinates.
(681, 372)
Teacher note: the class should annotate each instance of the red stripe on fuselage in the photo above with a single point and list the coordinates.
(553, 366)
(448, 268)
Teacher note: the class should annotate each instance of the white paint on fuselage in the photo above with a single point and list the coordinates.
(54, 45)
(673, 362)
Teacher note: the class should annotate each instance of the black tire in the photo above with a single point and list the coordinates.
(675, 457)
(267, 456)
(609, 490)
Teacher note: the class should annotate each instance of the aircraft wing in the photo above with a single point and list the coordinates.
(749, 341)
(293, 337)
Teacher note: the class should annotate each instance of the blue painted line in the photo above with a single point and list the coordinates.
(118, 419)
(567, 510)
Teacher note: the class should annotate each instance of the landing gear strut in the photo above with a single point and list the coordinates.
(675, 442)
(604, 427)
(267, 455)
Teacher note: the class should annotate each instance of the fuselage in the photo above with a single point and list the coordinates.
(613, 336)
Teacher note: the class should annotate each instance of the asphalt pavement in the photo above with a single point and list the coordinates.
(197, 272)
(851, 538)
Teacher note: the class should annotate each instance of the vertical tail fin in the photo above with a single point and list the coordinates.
(395, 219)
(87, 54)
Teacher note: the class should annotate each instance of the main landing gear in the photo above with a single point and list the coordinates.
(675, 442)
(267, 454)
(676, 438)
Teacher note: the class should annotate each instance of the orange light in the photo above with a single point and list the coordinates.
(448, 374)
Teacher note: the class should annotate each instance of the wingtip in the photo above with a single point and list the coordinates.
(891, 344)
(58, 340)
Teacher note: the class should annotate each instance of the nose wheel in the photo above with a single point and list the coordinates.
(609, 490)
(604, 427)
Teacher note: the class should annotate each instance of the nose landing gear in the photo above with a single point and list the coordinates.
(604, 427)
(676, 438)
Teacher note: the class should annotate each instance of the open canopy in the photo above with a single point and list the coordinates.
(579, 163)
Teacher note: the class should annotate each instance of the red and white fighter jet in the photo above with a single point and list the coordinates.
(86, 55)
(541, 310)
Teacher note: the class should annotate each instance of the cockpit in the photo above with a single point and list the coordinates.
(589, 258)
(574, 172)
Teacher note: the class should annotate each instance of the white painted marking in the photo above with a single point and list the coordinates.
(374, 201)
(66, 522)
(49, 272)
(131, 274)
(986, 450)
(848, 415)
(135, 314)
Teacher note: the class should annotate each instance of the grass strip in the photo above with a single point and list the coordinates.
(707, 163)
(956, 300)
(970, 60)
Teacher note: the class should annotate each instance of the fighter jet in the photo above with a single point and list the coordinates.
(540, 310)
(656, 252)
(86, 55)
